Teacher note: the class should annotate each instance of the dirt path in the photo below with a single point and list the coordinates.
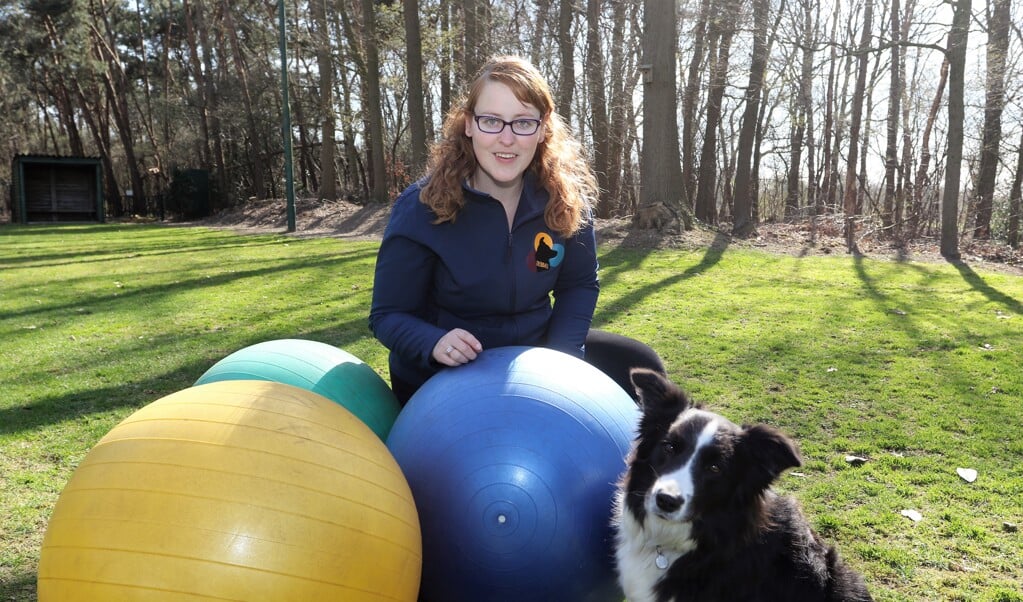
(341, 219)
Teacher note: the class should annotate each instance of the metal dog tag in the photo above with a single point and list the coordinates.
(661, 561)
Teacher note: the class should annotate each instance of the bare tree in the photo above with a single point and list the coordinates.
(891, 161)
(371, 77)
(849, 199)
(198, 91)
(829, 162)
(566, 48)
(742, 222)
(998, 20)
(690, 98)
(542, 9)
(325, 67)
(957, 39)
(721, 29)
(624, 122)
(660, 172)
(1014, 200)
(118, 91)
(904, 187)
(921, 182)
(414, 70)
(598, 105)
(476, 24)
(803, 112)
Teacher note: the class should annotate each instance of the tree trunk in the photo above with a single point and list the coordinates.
(957, 40)
(474, 49)
(999, 19)
(891, 161)
(830, 177)
(863, 192)
(116, 86)
(841, 109)
(543, 7)
(689, 102)
(620, 112)
(660, 173)
(414, 66)
(598, 105)
(721, 30)
(374, 114)
(203, 108)
(742, 221)
(54, 81)
(446, 62)
(1014, 200)
(94, 119)
(566, 48)
(849, 198)
(922, 181)
(803, 115)
(254, 136)
(328, 129)
(905, 185)
(806, 98)
(307, 172)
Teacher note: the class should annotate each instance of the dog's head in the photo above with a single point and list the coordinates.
(690, 465)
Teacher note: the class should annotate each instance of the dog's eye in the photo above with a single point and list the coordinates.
(668, 448)
(714, 468)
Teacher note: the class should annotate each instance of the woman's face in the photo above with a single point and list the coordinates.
(503, 157)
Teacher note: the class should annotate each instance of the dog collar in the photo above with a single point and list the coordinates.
(661, 561)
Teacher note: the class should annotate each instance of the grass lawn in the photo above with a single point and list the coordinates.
(918, 368)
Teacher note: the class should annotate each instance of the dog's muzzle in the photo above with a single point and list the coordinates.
(668, 503)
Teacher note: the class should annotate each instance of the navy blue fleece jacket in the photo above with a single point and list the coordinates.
(475, 274)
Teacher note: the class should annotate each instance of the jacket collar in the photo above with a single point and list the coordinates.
(533, 201)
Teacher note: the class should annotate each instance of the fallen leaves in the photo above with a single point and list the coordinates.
(912, 515)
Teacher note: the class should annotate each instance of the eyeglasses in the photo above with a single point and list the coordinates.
(489, 124)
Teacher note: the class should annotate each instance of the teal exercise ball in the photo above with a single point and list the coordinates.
(318, 367)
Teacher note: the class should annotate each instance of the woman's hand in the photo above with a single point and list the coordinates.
(456, 347)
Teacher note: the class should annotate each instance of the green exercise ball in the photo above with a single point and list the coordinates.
(318, 367)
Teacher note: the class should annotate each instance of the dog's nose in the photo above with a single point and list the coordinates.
(668, 502)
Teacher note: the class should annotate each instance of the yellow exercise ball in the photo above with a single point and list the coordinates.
(235, 490)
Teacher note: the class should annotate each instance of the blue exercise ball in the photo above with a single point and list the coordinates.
(318, 367)
(512, 460)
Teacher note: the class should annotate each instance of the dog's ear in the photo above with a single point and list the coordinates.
(767, 452)
(656, 393)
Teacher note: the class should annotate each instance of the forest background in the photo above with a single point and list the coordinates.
(902, 118)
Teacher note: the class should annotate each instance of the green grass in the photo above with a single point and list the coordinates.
(916, 367)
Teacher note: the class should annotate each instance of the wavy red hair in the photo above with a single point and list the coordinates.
(559, 164)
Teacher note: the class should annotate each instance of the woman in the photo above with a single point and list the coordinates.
(474, 252)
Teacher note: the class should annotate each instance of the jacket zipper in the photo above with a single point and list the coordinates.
(509, 261)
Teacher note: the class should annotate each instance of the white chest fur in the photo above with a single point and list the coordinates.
(642, 552)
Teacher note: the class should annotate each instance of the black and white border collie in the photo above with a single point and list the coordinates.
(697, 520)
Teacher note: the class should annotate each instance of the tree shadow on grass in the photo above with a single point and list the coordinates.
(123, 297)
(620, 260)
(78, 405)
(21, 587)
(978, 284)
(79, 245)
(884, 300)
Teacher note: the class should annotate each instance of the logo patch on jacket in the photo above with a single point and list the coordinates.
(545, 254)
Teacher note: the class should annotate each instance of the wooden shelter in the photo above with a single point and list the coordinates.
(56, 189)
